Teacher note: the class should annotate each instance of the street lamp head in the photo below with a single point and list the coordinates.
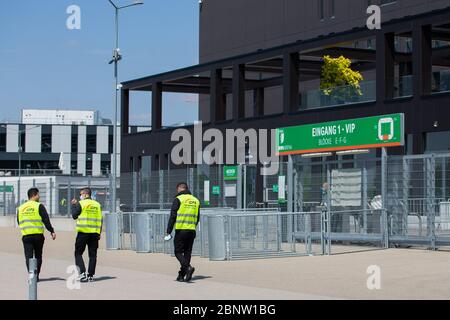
(138, 1)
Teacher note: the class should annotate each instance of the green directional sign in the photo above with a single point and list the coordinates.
(230, 173)
(6, 188)
(216, 190)
(362, 133)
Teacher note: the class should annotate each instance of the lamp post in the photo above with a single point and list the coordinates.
(116, 58)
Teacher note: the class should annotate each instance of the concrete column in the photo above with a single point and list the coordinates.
(422, 60)
(238, 91)
(218, 98)
(385, 65)
(291, 100)
(156, 106)
(125, 110)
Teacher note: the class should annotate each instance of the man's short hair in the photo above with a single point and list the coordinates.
(32, 192)
(87, 190)
(182, 185)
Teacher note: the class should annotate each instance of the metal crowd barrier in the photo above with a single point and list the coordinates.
(225, 234)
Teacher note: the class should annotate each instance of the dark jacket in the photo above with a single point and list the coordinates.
(173, 212)
(45, 218)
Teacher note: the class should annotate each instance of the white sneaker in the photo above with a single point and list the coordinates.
(82, 277)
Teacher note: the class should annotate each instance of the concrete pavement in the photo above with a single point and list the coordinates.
(405, 274)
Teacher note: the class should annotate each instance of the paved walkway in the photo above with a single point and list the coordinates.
(405, 274)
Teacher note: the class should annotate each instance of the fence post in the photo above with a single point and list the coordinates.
(161, 189)
(265, 191)
(51, 198)
(406, 208)
(365, 200)
(431, 202)
(239, 187)
(244, 175)
(328, 212)
(69, 191)
(135, 191)
(18, 192)
(385, 226)
(444, 169)
(4, 198)
(290, 198)
(32, 279)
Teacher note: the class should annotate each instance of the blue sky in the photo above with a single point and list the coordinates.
(45, 65)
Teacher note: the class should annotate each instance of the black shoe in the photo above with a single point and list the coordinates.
(37, 278)
(180, 277)
(189, 273)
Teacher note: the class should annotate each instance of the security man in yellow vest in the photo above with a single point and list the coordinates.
(88, 214)
(32, 217)
(185, 215)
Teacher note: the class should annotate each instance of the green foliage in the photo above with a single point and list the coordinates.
(338, 79)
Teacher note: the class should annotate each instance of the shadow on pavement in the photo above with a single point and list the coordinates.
(194, 278)
(96, 279)
(51, 279)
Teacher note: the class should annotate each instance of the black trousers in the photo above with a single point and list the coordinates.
(33, 246)
(183, 242)
(91, 241)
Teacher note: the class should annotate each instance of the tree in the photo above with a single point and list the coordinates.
(339, 80)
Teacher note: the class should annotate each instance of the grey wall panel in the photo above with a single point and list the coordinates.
(81, 163)
(102, 140)
(33, 138)
(61, 139)
(96, 164)
(12, 138)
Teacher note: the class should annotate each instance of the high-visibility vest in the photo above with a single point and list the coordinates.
(187, 214)
(90, 219)
(30, 221)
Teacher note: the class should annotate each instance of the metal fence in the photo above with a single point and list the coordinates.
(348, 203)
(234, 234)
(55, 192)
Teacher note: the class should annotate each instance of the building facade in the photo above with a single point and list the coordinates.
(261, 64)
(50, 140)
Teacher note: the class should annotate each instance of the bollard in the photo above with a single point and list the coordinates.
(32, 279)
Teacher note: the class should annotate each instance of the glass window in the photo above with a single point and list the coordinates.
(2, 139)
(438, 142)
(91, 139)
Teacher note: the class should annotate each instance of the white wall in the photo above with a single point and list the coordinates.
(81, 163)
(81, 139)
(96, 164)
(33, 138)
(61, 139)
(102, 140)
(12, 138)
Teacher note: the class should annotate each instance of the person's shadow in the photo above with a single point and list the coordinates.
(195, 278)
(51, 279)
(96, 279)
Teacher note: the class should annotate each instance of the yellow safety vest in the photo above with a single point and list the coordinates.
(187, 214)
(30, 222)
(90, 219)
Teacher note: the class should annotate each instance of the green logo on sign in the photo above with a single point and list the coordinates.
(216, 190)
(230, 173)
